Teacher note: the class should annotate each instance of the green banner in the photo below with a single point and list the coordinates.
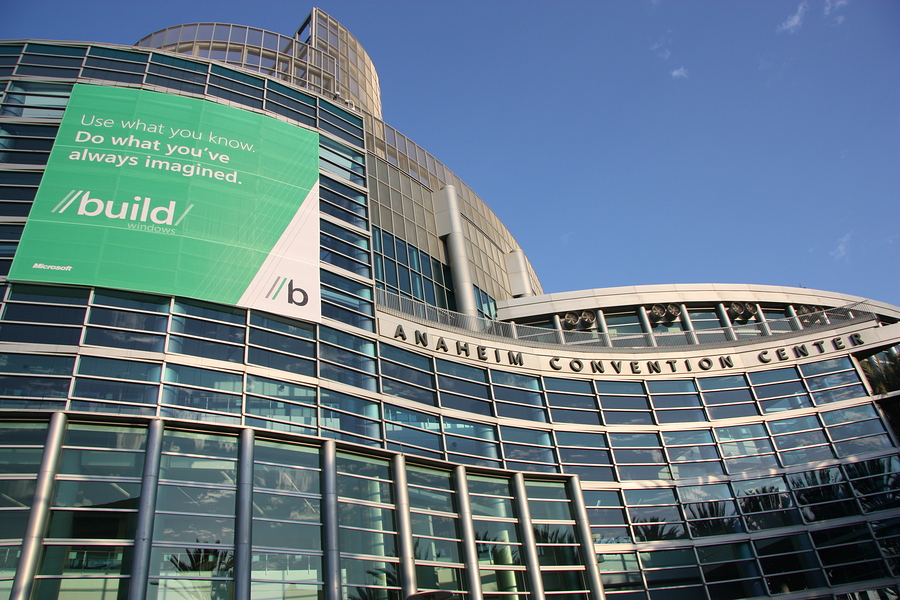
(158, 193)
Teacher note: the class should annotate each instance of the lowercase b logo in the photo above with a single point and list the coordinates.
(295, 295)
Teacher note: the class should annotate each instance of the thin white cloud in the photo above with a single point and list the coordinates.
(831, 5)
(680, 73)
(793, 22)
(660, 48)
(841, 252)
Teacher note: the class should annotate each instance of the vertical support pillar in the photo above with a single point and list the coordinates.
(140, 564)
(583, 531)
(450, 227)
(331, 555)
(560, 334)
(529, 543)
(604, 328)
(407, 571)
(40, 509)
(645, 325)
(796, 325)
(467, 531)
(762, 322)
(243, 531)
(723, 318)
(689, 325)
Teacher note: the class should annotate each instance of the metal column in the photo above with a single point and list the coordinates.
(529, 544)
(331, 555)
(724, 318)
(583, 531)
(451, 228)
(689, 325)
(467, 531)
(646, 326)
(762, 321)
(40, 510)
(140, 564)
(407, 571)
(243, 530)
(604, 329)
(796, 325)
(560, 333)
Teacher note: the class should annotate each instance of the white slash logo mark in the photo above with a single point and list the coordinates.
(68, 199)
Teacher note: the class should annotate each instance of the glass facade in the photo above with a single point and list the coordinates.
(711, 444)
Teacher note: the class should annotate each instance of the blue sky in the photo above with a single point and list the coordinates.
(627, 143)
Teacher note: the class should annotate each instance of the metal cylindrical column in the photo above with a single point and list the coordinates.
(529, 543)
(583, 531)
(331, 555)
(243, 530)
(688, 324)
(724, 318)
(762, 322)
(604, 329)
(557, 324)
(404, 528)
(467, 531)
(140, 564)
(40, 509)
(646, 326)
(463, 284)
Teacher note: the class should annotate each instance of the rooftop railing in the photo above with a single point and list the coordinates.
(274, 55)
(540, 337)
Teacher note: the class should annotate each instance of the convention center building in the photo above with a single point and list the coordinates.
(256, 344)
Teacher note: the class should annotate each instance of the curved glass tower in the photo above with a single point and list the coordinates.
(256, 344)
